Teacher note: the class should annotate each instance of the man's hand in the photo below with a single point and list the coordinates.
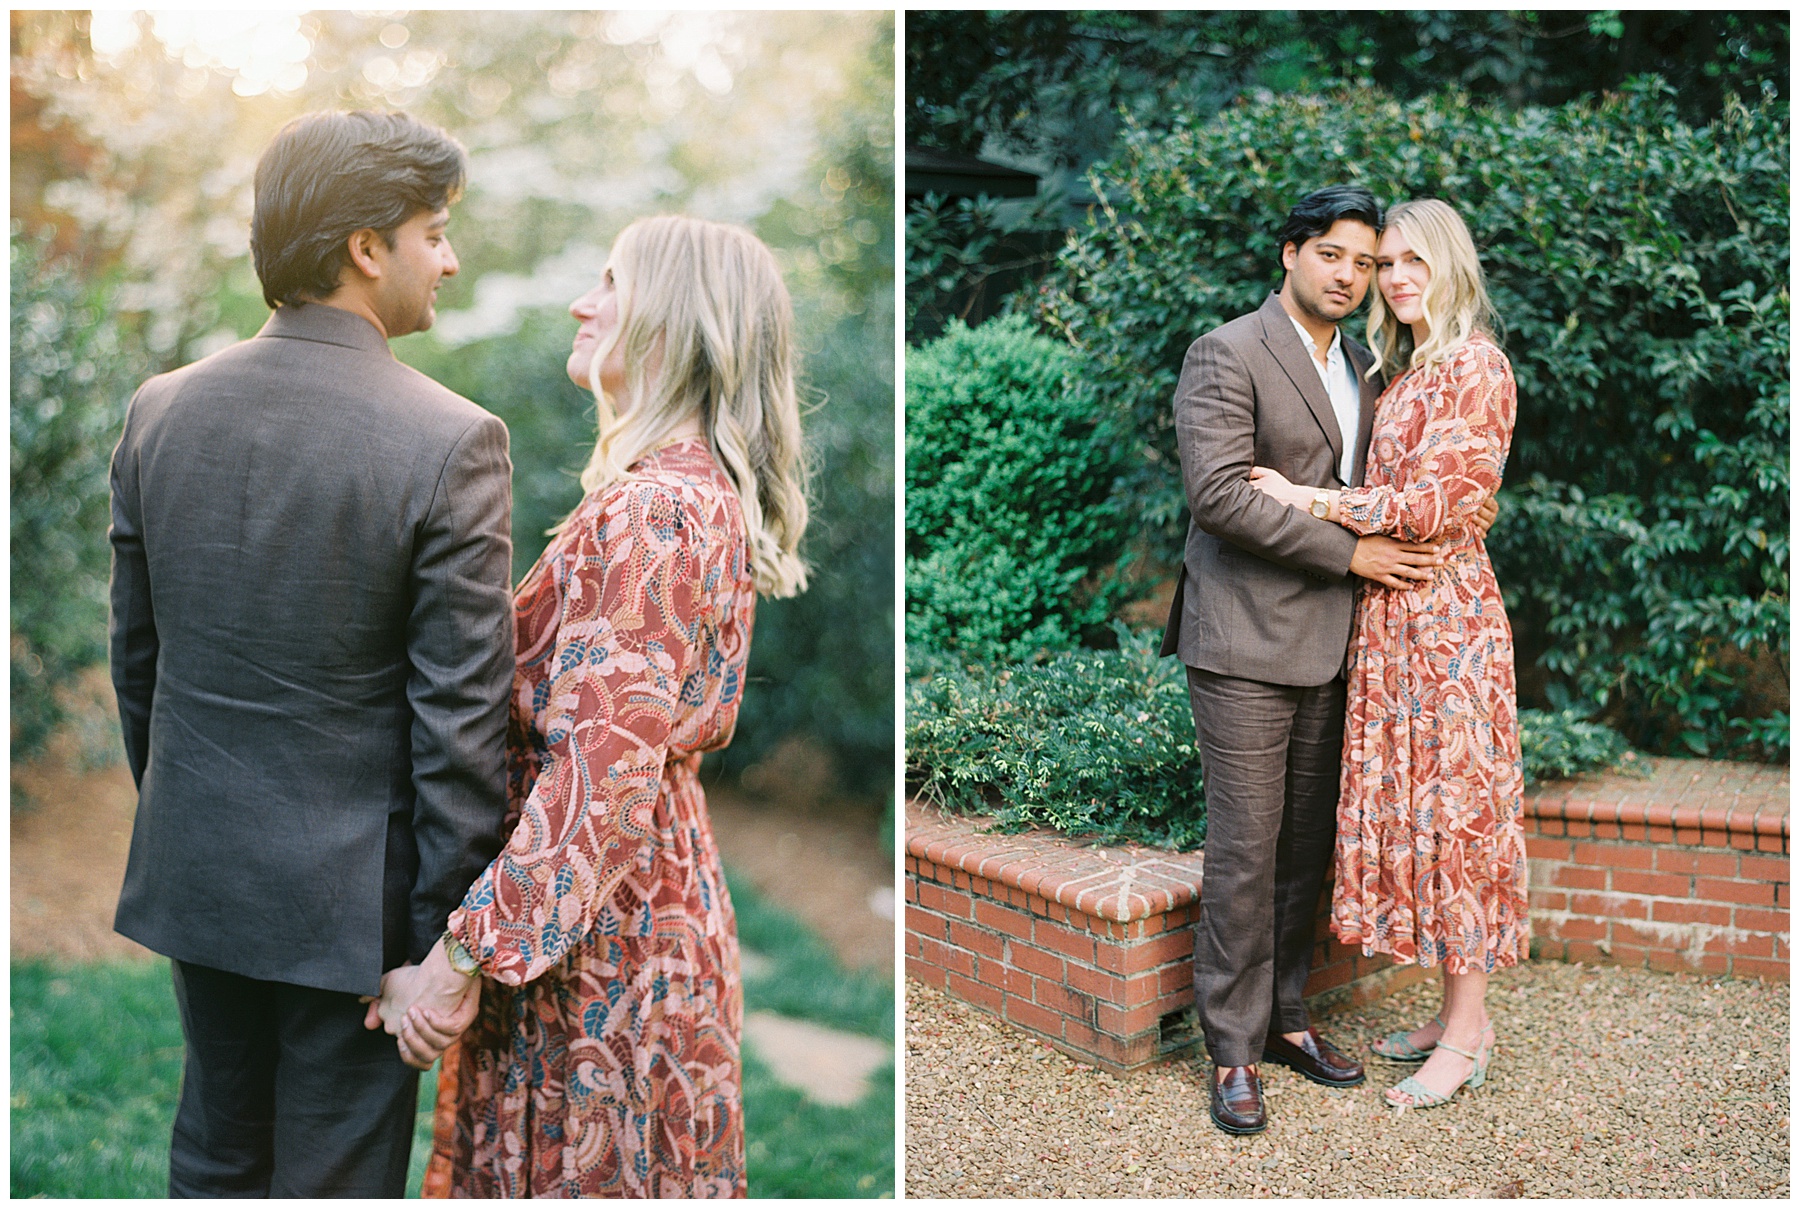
(1484, 516)
(1392, 563)
(451, 999)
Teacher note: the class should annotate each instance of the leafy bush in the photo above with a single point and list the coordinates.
(964, 257)
(72, 373)
(1563, 744)
(1640, 266)
(1101, 743)
(1012, 545)
(1089, 742)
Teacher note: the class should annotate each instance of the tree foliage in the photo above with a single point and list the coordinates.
(1640, 267)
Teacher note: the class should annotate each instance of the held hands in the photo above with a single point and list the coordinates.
(425, 1007)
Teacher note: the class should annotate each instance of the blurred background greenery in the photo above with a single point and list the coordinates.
(134, 140)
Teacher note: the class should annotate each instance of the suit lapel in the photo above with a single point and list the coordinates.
(1370, 390)
(1284, 344)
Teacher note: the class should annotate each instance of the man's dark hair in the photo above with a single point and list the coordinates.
(1314, 214)
(328, 175)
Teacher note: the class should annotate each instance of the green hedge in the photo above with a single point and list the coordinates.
(72, 372)
(1640, 266)
(1012, 544)
(1101, 744)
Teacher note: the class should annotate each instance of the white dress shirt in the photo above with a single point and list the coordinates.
(1339, 379)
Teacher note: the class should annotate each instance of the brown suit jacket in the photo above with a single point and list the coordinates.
(1264, 591)
(312, 650)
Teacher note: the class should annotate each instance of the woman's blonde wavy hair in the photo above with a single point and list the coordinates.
(706, 327)
(1455, 300)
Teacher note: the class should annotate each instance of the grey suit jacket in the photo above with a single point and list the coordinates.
(1264, 591)
(312, 650)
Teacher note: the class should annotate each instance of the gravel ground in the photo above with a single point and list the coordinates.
(1605, 1082)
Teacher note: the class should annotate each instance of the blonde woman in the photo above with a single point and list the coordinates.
(603, 1060)
(1430, 851)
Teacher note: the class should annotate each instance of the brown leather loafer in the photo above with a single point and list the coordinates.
(1237, 1100)
(1316, 1058)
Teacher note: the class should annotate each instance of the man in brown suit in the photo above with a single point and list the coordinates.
(1262, 618)
(312, 650)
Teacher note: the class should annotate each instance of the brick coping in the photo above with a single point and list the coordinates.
(1698, 801)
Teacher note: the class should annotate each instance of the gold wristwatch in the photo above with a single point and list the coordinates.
(1321, 505)
(461, 960)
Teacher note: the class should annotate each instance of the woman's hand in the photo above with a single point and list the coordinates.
(1274, 484)
(425, 1007)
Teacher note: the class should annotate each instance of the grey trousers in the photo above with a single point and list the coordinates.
(1271, 755)
(285, 1093)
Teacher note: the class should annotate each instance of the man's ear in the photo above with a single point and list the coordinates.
(1290, 254)
(362, 246)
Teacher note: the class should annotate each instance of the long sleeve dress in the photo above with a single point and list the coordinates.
(604, 1060)
(1430, 849)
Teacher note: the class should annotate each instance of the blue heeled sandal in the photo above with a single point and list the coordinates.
(1420, 1096)
(1395, 1047)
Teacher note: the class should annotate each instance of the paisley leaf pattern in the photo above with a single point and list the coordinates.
(605, 1061)
(1430, 849)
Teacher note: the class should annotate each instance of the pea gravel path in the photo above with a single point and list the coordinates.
(1606, 1082)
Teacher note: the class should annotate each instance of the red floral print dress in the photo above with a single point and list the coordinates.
(604, 1061)
(1430, 850)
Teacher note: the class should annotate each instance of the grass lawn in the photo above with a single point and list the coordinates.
(96, 1069)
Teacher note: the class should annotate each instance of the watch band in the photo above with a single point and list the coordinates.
(461, 960)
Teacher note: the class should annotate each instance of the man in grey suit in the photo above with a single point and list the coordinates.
(1261, 618)
(312, 650)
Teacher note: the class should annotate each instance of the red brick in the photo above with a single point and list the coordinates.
(1770, 843)
(1690, 912)
(1579, 828)
(1547, 850)
(912, 889)
(959, 879)
(1615, 856)
(1029, 1014)
(1685, 860)
(970, 991)
(1578, 929)
(1334, 975)
(1744, 840)
(1575, 877)
(935, 953)
(1716, 837)
(1628, 934)
(1059, 998)
(1004, 919)
(1172, 979)
(1548, 900)
(1149, 954)
(1036, 905)
(1764, 868)
(1752, 967)
(945, 901)
(1585, 950)
(1610, 906)
(1753, 919)
(975, 940)
(1745, 946)
(1118, 1022)
(1673, 962)
(1781, 894)
(1663, 885)
(1082, 1037)
(1631, 956)
(919, 971)
(1718, 890)
(1029, 957)
(1094, 982)
(1064, 940)
(924, 924)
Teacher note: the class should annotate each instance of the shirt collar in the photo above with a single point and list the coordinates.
(1312, 346)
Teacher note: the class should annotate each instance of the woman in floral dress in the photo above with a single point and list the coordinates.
(1430, 850)
(604, 1060)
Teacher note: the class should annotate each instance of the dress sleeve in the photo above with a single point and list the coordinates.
(1457, 465)
(625, 649)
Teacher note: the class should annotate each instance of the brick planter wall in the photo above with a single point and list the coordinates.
(1091, 948)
